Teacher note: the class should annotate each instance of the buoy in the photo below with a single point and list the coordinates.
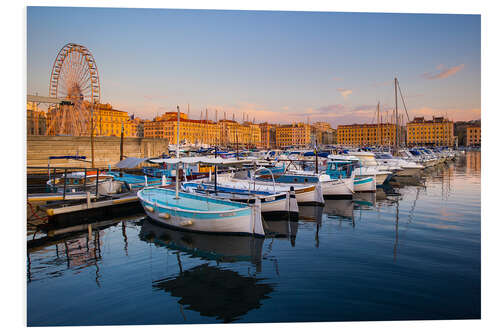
(186, 223)
(149, 208)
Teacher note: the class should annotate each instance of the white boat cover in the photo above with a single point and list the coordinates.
(200, 159)
(130, 162)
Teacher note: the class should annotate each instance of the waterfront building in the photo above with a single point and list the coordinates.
(366, 134)
(324, 133)
(108, 122)
(436, 132)
(36, 120)
(267, 135)
(232, 133)
(473, 136)
(190, 130)
(137, 126)
(299, 134)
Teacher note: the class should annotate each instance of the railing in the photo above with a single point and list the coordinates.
(38, 178)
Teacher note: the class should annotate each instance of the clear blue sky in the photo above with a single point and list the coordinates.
(276, 66)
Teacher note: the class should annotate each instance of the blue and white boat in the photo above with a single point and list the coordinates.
(341, 167)
(200, 213)
(282, 205)
(331, 187)
(136, 182)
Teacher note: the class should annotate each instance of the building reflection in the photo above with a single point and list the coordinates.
(473, 162)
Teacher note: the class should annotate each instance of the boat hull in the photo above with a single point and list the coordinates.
(408, 172)
(365, 184)
(244, 220)
(338, 188)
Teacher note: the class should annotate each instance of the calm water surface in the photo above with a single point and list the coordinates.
(412, 251)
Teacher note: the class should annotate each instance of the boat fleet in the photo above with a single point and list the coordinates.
(234, 192)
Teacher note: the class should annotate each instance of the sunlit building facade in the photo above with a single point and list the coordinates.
(366, 134)
(36, 120)
(190, 130)
(232, 133)
(293, 135)
(324, 133)
(436, 132)
(109, 121)
(473, 136)
(267, 135)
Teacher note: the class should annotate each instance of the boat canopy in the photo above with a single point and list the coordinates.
(200, 159)
(130, 162)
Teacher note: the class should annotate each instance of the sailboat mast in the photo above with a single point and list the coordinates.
(396, 110)
(378, 125)
(178, 129)
(177, 165)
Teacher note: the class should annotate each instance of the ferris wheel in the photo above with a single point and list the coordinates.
(75, 79)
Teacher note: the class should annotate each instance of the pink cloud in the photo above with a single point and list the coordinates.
(443, 73)
(344, 92)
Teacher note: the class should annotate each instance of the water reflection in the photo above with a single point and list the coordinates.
(366, 200)
(70, 251)
(417, 238)
(312, 214)
(473, 162)
(339, 208)
(218, 248)
(216, 292)
(212, 291)
(282, 229)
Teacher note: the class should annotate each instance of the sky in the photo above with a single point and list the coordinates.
(280, 67)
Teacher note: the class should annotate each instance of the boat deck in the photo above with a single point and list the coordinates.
(188, 201)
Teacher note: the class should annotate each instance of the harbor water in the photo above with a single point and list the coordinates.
(411, 251)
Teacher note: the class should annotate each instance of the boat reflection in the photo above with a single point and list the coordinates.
(339, 208)
(311, 214)
(218, 248)
(212, 291)
(282, 229)
(366, 200)
(216, 292)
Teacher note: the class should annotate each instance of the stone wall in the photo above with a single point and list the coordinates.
(106, 149)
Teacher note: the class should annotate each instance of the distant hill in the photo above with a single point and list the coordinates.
(460, 129)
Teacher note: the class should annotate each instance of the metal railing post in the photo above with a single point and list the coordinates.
(64, 187)
(54, 180)
(84, 179)
(97, 184)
